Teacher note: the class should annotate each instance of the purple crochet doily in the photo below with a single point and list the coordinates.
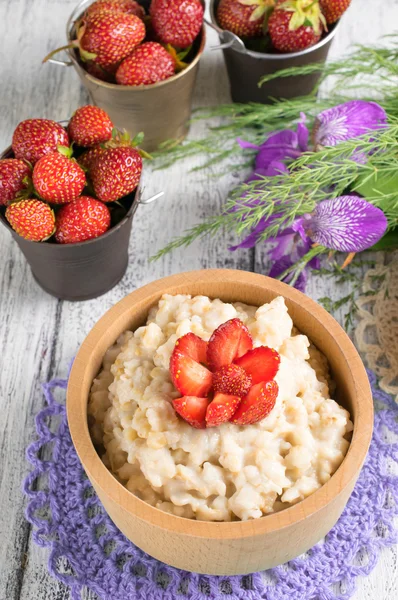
(89, 553)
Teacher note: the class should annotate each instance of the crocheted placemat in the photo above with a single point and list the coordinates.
(88, 553)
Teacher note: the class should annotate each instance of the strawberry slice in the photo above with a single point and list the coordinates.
(192, 410)
(189, 377)
(193, 346)
(261, 363)
(257, 404)
(221, 409)
(232, 380)
(229, 341)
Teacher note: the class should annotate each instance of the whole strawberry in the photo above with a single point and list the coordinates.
(106, 37)
(34, 138)
(13, 174)
(245, 18)
(295, 25)
(176, 22)
(58, 179)
(116, 173)
(83, 219)
(130, 7)
(333, 9)
(90, 125)
(32, 219)
(147, 64)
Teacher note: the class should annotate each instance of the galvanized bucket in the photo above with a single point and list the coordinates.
(246, 67)
(84, 270)
(161, 110)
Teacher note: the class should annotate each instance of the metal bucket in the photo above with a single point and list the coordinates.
(84, 270)
(161, 110)
(246, 67)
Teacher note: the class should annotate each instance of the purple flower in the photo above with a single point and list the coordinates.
(346, 121)
(346, 224)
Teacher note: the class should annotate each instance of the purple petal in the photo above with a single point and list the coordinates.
(271, 154)
(251, 239)
(302, 135)
(347, 121)
(286, 137)
(281, 265)
(346, 223)
(245, 145)
(284, 244)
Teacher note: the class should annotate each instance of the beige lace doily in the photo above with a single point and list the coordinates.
(377, 332)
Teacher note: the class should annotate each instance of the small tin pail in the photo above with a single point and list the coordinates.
(161, 110)
(246, 67)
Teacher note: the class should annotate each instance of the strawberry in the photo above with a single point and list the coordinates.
(245, 18)
(147, 64)
(295, 25)
(106, 37)
(257, 404)
(176, 22)
(86, 160)
(193, 346)
(130, 7)
(99, 72)
(188, 376)
(229, 341)
(31, 219)
(90, 125)
(116, 172)
(192, 410)
(221, 409)
(233, 380)
(261, 363)
(34, 138)
(83, 219)
(333, 9)
(58, 179)
(13, 174)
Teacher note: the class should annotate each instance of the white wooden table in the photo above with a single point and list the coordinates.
(40, 334)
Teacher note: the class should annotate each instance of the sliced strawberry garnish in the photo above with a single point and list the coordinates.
(189, 377)
(229, 341)
(232, 380)
(193, 346)
(261, 363)
(221, 409)
(257, 404)
(192, 410)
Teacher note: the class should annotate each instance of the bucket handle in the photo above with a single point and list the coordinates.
(145, 201)
(228, 39)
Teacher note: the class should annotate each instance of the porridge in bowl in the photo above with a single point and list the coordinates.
(218, 411)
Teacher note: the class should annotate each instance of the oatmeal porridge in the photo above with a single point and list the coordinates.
(230, 471)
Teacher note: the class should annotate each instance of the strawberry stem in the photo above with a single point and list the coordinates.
(68, 47)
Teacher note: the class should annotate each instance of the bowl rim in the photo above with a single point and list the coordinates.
(77, 11)
(283, 56)
(105, 481)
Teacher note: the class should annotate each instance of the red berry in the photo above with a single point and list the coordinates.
(12, 174)
(31, 219)
(34, 138)
(242, 19)
(257, 404)
(82, 219)
(193, 346)
(58, 179)
(88, 157)
(101, 73)
(232, 380)
(221, 409)
(125, 6)
(261, 363)
(147, 64)
(176, 22)
(110, 37)
(90, 125)
(192, 410)
(188, 376)
(333, 9)
(295, 25)
(228, 342)
(116, 172)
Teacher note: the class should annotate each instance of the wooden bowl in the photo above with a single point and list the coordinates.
(243, 546)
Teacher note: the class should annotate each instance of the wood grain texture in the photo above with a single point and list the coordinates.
(39, 335)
